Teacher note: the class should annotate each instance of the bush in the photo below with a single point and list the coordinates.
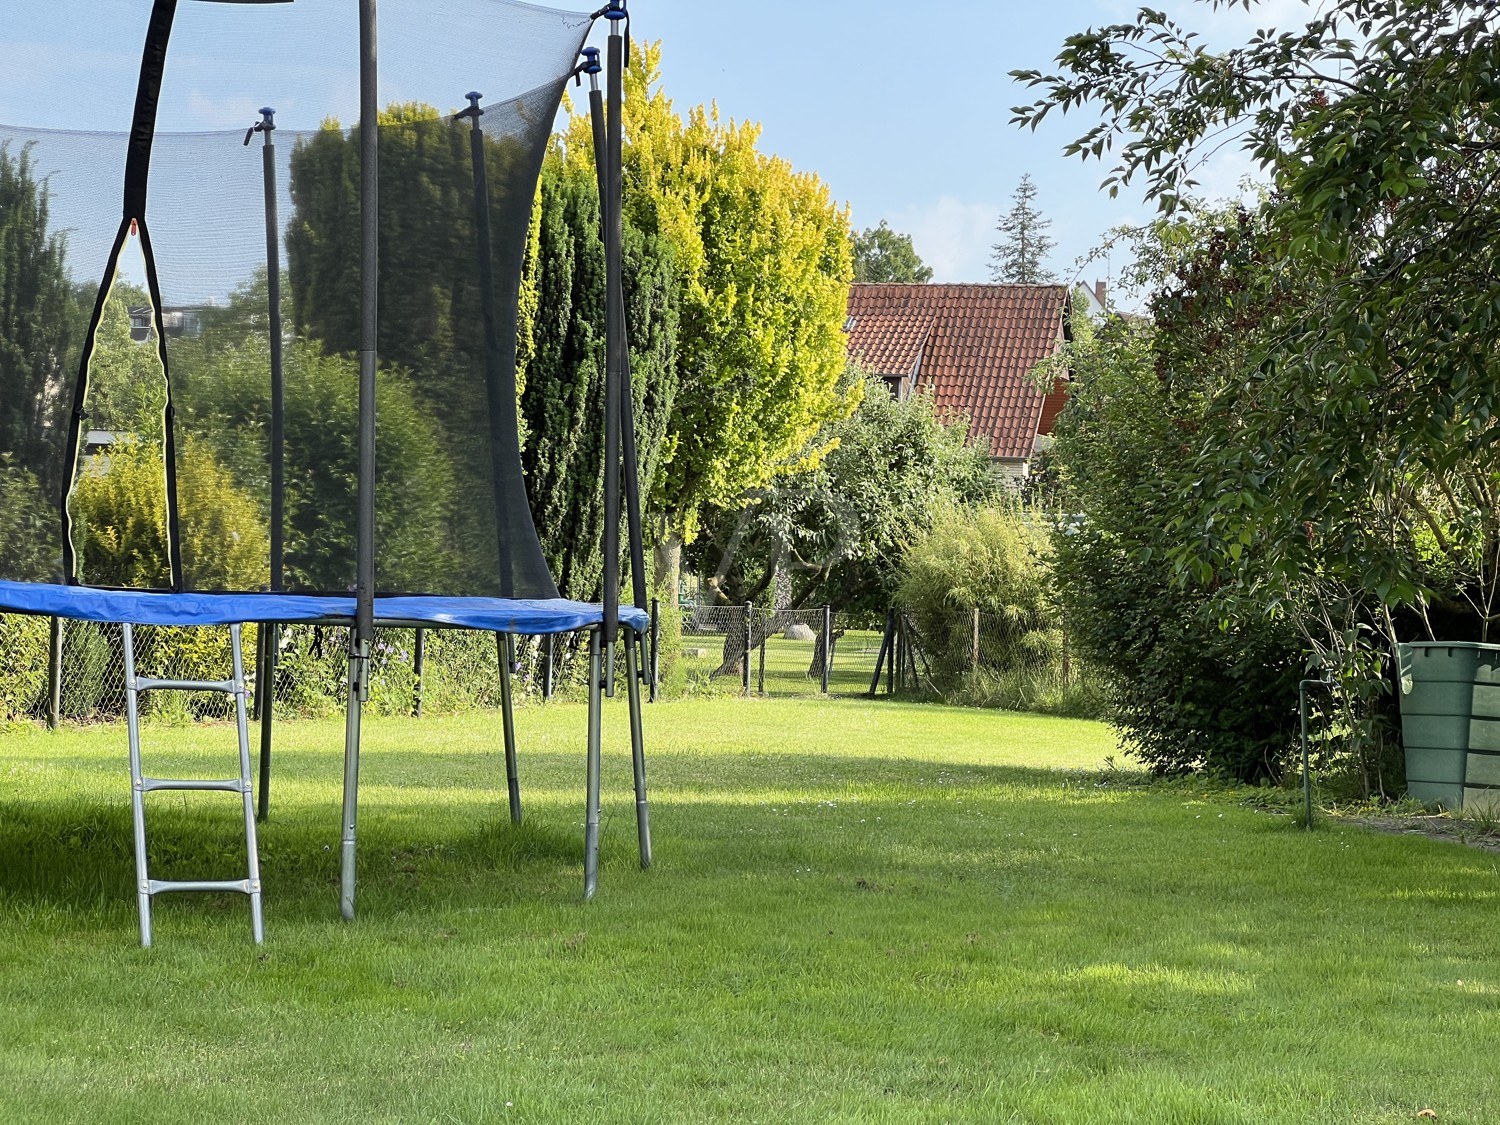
(29, 551)
(24, 647)
(993, 561)
(989, 559)
(1189, 690)
(119, 513)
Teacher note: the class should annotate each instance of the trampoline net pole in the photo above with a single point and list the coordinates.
(369, 312)
(614, 345)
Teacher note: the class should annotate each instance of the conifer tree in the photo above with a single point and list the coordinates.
(1020, 257)
(40, 322)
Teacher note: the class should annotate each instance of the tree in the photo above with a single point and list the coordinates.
(40, 324)
(225, 400)
(429, 274)
(883, 255)
(1020, 256)
(563, 400)
(838, 529)
(431, 325)
(1195, 681)
(764, 264)
(1356, 422)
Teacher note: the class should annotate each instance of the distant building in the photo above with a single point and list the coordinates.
(187, 321)
(974, 347)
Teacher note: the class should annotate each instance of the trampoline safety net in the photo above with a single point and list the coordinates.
(136, 416)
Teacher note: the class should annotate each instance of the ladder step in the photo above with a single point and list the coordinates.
(243, 886)
(230, 785)
(146, 683)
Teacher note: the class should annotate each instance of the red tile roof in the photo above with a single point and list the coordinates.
(889, 345)
(981, 343)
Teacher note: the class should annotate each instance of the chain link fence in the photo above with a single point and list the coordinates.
(776, 652)
(983, 659)
(976, 659)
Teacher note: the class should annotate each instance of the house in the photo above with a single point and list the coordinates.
(177, 321)
(973, 347)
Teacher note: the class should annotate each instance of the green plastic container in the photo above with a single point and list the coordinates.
(1450, 722)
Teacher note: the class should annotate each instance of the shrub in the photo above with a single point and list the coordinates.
(23, 666)
(993, 561)
(119, 513)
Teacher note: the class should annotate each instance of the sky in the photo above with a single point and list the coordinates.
(902, 109)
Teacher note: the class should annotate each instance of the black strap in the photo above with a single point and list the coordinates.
(147, 93)
(137, 175)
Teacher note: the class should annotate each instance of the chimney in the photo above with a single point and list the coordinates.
(1099, 289)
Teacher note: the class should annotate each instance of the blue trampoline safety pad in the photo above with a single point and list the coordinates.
(140, 607)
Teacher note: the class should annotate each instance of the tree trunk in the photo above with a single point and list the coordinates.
(667, 555)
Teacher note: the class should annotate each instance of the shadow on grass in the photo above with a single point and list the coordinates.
(760, 815)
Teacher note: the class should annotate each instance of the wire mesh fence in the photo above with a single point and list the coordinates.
(985, 660)
(972, 658)
(776, 652)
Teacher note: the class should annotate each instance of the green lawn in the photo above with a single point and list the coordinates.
(860, 911)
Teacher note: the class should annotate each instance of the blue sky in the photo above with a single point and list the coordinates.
(902, 109)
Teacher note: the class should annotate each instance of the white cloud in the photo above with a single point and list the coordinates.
(950, 235)
(1284, 15)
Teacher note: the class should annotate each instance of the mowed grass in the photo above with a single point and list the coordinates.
(860, 911)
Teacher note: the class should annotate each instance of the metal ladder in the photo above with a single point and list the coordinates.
(141, 785)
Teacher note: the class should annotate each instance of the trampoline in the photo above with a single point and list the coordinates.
(392, 249)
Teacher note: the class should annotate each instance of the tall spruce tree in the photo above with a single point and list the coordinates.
(1020, 256)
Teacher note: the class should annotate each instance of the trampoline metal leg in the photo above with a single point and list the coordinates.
(591, 824)
(351, 786)
(638, 748)
(137, 788)
(266, 674)
(506, 645)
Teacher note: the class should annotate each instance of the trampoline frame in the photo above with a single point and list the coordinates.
(366, 611)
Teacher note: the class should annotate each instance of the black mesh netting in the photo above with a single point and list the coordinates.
(452, 516)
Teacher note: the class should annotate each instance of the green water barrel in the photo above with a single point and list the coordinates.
(1450, 722)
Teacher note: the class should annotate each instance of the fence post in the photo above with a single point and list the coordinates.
(827, 644)
(258, 699)
(890, 668)
(885, 644)
(419, 668)
(749, 625)
(655, 673)
(54, 676)
(974, 657)
(902, 644)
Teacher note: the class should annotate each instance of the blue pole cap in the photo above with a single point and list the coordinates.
(616, 10)
(474, 96)
(591, 64)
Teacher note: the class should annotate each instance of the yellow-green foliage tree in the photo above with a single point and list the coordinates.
(120, 520)
(764, 262)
